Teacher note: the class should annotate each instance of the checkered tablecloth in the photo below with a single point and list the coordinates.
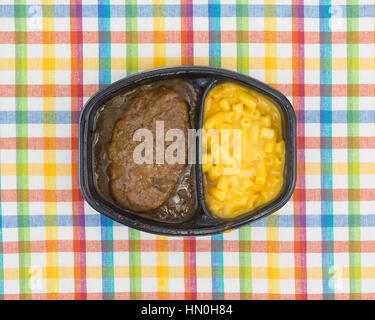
(54, 56)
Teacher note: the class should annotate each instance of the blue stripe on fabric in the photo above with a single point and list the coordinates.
(340, 220)
(104, 43)
(108, 285)
(214, 34)
(64, 117)
(315, 221)
(217, 266)
(38, 117)
(214, 12)
(326, 151)
(200, 10)
(338, 116)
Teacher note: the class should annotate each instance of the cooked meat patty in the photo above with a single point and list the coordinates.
(143, 187)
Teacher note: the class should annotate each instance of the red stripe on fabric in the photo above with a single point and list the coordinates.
(61, 37)
(190, 269)
(61, 90)
(187, 58)
(299, 197)
(340, 142)
(79, 238)
(41, 143)
(257, 246)
(187, 33)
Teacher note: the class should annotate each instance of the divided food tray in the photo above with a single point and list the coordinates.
(202, 222)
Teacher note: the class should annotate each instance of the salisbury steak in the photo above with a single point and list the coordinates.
(144, 187)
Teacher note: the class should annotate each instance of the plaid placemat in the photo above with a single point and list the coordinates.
(54, 56)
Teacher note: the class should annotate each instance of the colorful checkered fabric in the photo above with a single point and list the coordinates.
(54, 56)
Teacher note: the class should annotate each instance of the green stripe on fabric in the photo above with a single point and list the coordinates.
(244, 233)
(131, 11)
(22, 182)
(242, 35)
(135, 269)
(246, 286)
(353, 150)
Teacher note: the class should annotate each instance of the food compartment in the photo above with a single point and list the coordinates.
(248, 155)
(243, 150)
(150, 187)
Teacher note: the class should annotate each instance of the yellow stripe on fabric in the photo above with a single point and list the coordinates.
(49, 130)
(159, 60)
(341, 168)
(273, 271)
(256, 63)
(270, 58)
(159, 34)
(162, 267)
(313, 273)
(271, 65)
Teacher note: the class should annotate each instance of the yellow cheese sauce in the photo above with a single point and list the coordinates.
(243, 168)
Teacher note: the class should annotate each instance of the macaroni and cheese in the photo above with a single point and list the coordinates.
(243, 173)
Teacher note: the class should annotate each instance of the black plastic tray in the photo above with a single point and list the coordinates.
(202, 223)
